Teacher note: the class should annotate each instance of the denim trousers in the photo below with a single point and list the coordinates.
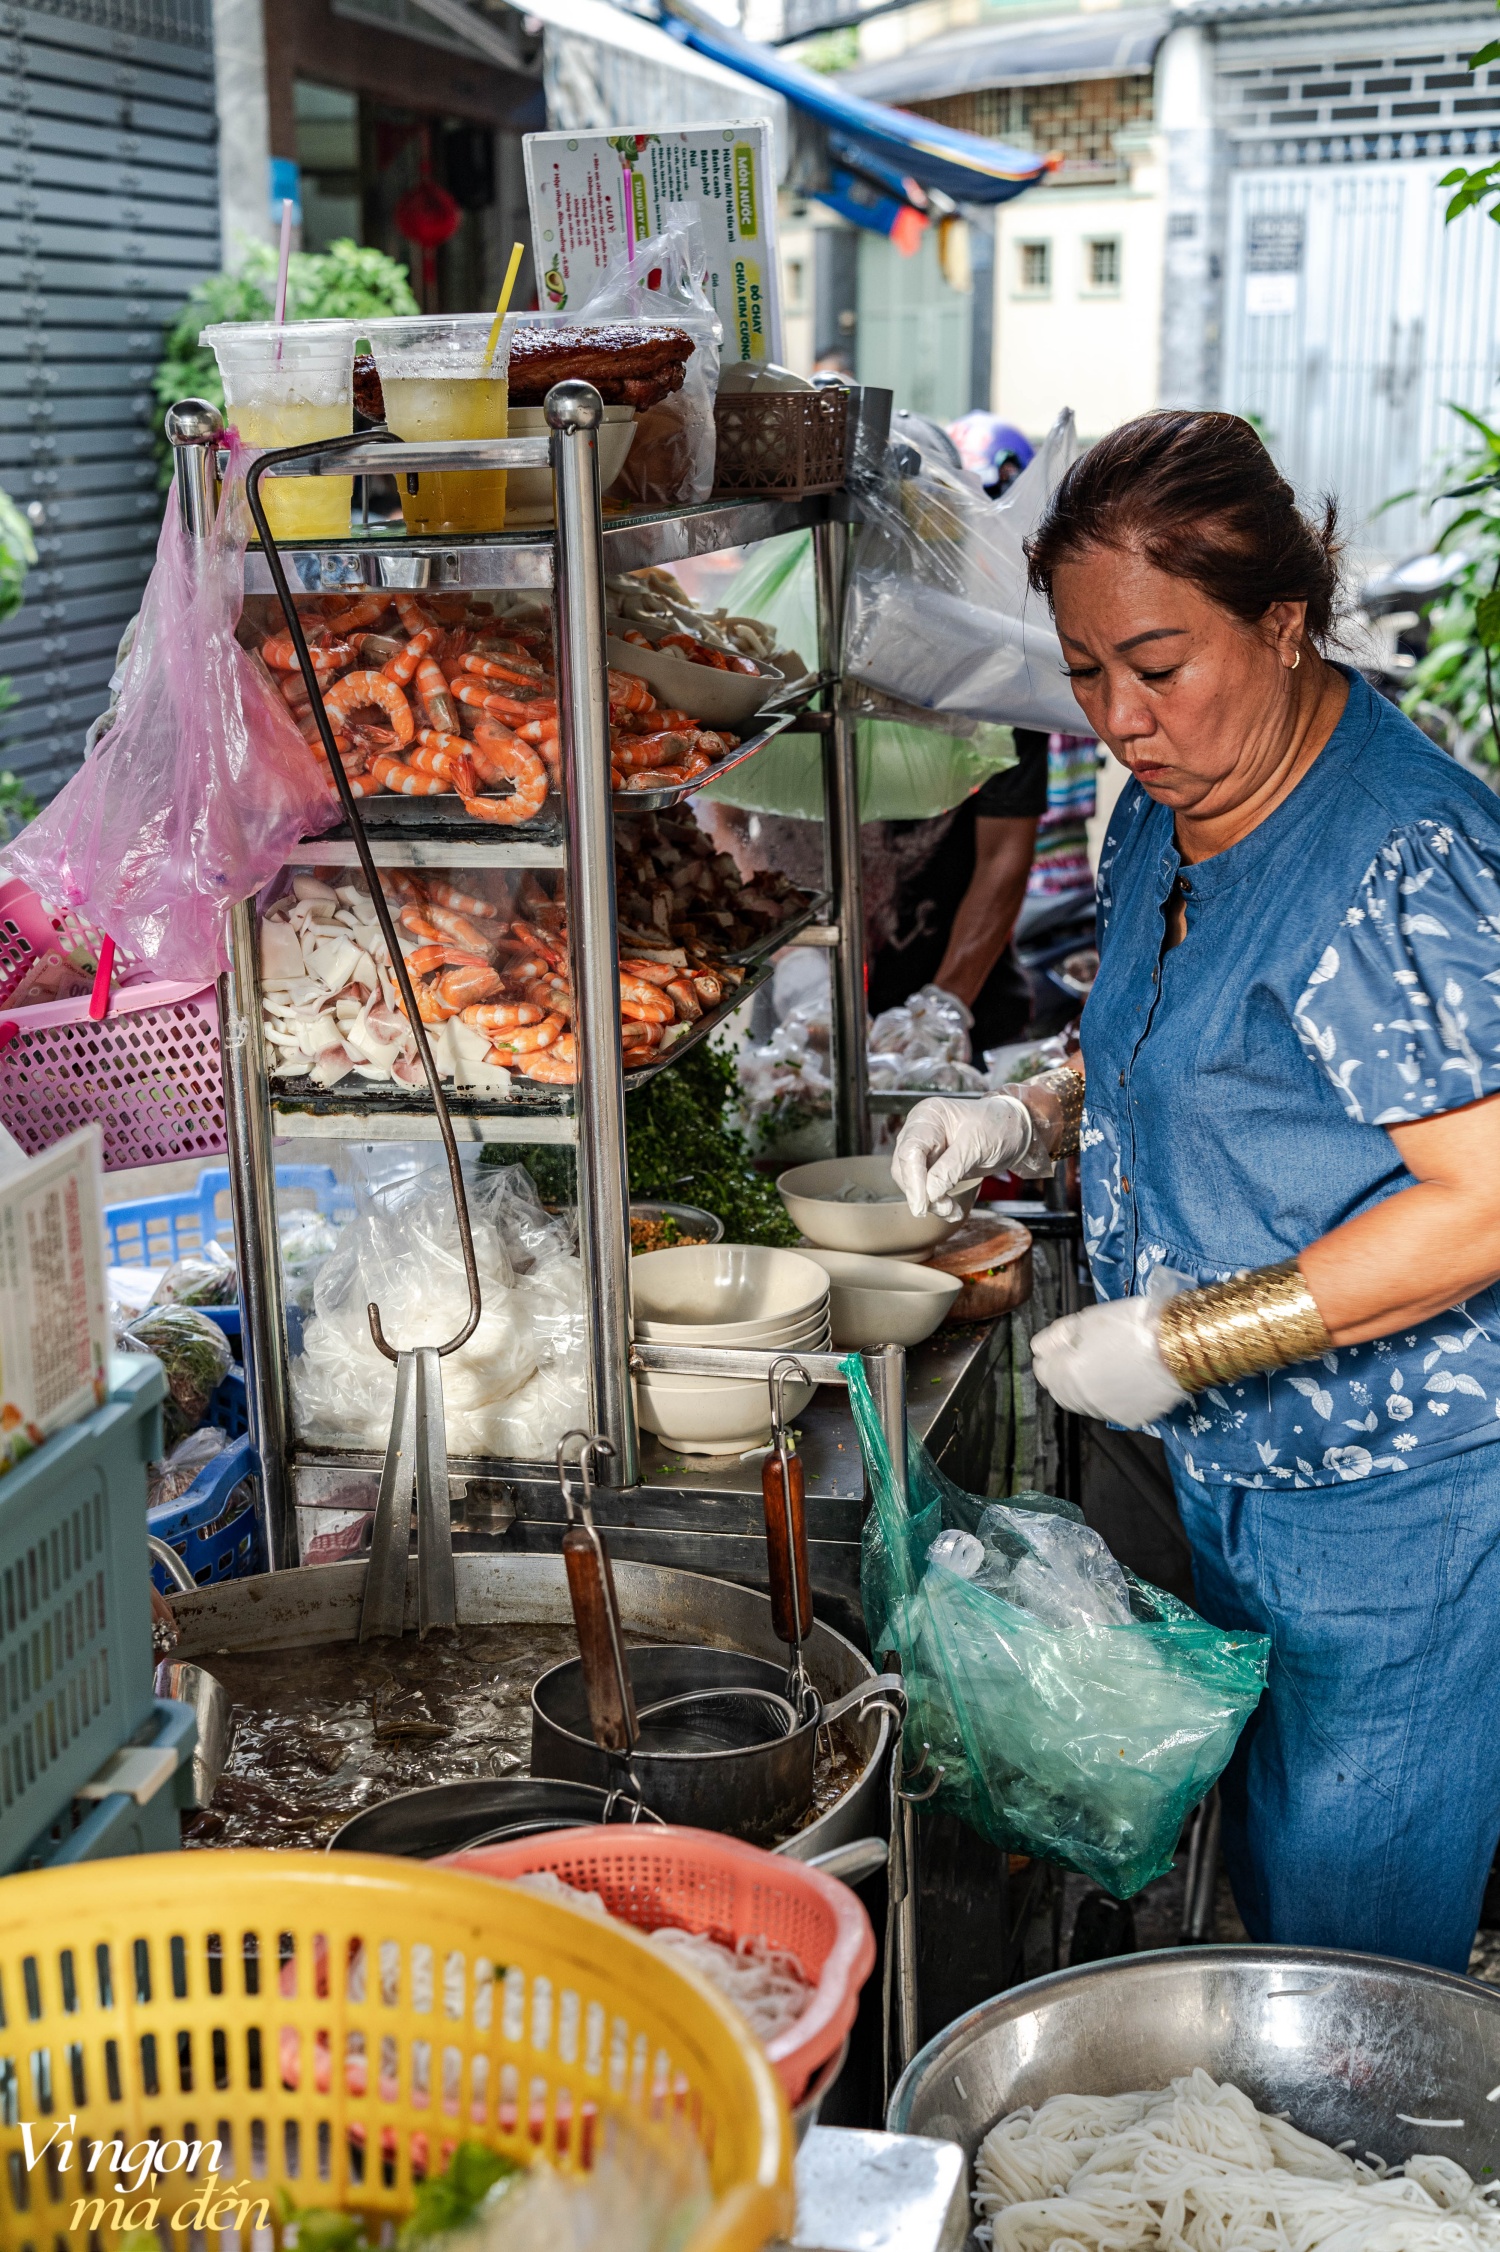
(1362, 1804)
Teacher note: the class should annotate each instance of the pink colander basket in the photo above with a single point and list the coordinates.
(148, 1073)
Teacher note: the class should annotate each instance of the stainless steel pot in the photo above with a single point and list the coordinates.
(291, 1610)
(1347, 2044)
(753, 1791)
(471, 1810)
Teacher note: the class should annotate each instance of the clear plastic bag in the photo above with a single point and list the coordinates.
(204, 1278)
(169, 1480)
(517, 1384)
(910, 768)
(202, 788)
(1064, 1728)
(195, 1358)
(939, 612)
(671, 458)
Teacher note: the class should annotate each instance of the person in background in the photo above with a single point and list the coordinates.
(995, 451)
(834, 363)
(952, 920)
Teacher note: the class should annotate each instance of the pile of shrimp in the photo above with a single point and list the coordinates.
(507, 975)
(489, 975)
(429, 695)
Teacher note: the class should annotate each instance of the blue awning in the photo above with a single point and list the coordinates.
(866, 136)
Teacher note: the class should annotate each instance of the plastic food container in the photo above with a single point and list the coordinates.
(286, 387)
(440, 382)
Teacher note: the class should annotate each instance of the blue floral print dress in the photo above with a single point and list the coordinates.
(1339, 975)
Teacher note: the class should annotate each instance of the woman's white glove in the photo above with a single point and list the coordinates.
(944, 1142)
(1106, 1361)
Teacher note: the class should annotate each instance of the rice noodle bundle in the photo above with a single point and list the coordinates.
(1196, 2168)
(766, 1984)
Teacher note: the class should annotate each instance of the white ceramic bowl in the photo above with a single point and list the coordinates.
(720, 699)
(723, 1286)
(742, 1336)
(701, 1415)
(811, 1196)
(528, 492)
(884, 1301)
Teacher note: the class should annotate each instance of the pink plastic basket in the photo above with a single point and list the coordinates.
(148, 1073)
(29, 933)
(703, 1882)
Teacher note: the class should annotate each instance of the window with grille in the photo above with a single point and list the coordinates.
(1034, 272)
(1101, 262)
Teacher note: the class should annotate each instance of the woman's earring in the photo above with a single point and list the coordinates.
(1296, 661)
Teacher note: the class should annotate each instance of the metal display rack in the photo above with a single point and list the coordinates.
(576, 836)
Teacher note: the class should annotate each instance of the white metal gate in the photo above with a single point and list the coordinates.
(914, 330)
(108, 215)
(1353, 317)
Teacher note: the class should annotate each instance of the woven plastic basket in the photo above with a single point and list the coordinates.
(148, 1073)
(30, 935)
(784, 442)
(338, 2025)
(703, 1882)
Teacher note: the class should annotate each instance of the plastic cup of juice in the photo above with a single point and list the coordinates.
(438, 385)
(286, 387)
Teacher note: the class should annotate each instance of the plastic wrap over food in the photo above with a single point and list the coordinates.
(517, 1384)
(671, 458)
(939, 611)
(1076, 1712)
(202, 788)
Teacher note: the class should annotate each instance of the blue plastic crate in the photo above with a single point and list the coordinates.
(103, 1829)
(158, 1229)
(216, 1525)
(75, 1624)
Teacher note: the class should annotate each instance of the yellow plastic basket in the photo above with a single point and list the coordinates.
(337, 2026)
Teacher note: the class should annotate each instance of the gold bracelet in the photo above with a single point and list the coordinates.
(1267, 1319)
(1065, 1086)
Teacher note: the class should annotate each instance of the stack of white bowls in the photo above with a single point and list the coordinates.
(739, 1296)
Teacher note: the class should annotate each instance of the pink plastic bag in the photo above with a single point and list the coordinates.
(203, 787)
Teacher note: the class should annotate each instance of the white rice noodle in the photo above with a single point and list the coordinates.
(766, 1984)
(1196, 2168)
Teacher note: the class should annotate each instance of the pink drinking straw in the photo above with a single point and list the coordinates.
(629, 186)
(286, 254)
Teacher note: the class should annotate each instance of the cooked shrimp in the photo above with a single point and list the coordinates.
(415, 920)
(377, 649)
(462, 931)
(455, 767)
(366, 611)
(655, 778)
(630, 692)
(460, 987)
(431, 1007)
(403, 665)
(501, 1016)
(641, 752)
(415, 616)
(481, 699)
(359, 689)
(395, 775)
(462, 902)
(443, 956)
(512, 762)
(554, 1067)
(526, 1038)
(535, 943)
(650, 973)
(635, 1032)
(636, 994)
(432, 694)
(684, 996)
(527, 674)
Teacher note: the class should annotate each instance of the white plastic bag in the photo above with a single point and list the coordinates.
(671, 458)
(939, 611)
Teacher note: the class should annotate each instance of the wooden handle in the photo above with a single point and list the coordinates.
(596, 1615)
(787, 1565)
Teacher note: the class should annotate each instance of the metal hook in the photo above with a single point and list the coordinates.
(355, 820)
(590, 1444)
(799, 1685)
(916, 1798)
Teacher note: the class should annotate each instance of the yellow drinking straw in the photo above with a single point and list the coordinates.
(503, 307)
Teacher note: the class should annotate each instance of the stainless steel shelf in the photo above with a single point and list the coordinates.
(785, 934)
(393, 1114)
(385, 556)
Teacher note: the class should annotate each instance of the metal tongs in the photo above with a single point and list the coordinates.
(790, 1573)
(596, 1616)
(417, 1453)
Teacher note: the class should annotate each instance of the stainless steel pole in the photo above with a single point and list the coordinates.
(886, 1369)
(851, 1081)
(574, 412)
(194, 428)
(257, 1242)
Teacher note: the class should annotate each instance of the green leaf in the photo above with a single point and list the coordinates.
(451, 2199)
(1487, 619)
(1488, 54)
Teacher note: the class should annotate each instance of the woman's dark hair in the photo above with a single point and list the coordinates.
(1199, 496)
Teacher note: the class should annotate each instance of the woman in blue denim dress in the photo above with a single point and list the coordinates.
(1290, 1156)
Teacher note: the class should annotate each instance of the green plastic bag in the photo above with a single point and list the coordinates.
(906, 772)
(1078, 1713)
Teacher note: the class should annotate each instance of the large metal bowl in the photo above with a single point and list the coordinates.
(1347, 2044)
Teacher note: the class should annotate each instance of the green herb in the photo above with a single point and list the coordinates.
(446, 2203)
(680, 1148)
